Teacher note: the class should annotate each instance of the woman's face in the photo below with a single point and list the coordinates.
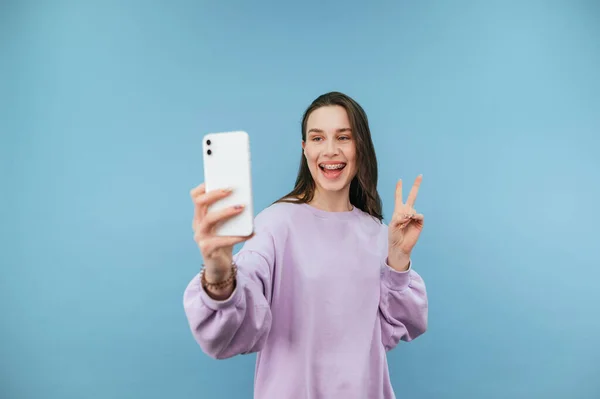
(330, 148)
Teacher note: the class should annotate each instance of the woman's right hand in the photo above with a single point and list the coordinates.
(217, 251)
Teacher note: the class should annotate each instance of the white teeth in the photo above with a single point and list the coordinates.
(333, 167)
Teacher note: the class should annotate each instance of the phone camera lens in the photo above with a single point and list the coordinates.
(209, 152)
(207, 142)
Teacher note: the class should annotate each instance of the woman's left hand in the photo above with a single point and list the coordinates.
(405, 227)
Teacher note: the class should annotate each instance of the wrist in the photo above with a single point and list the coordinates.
(215, 276)
(399, 262)
(218, 269)
(220, 284)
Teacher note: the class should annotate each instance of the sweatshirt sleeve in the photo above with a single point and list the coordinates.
(403, 304)
(239, 324)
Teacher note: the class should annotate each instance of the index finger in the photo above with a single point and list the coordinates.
(198, 190)
(204, 199)
(412, 196)
(398, 194)
(195, 192)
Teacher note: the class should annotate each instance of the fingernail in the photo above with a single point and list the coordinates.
(227, 190)
(238, 207)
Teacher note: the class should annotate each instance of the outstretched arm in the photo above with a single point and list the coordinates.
(239, 322)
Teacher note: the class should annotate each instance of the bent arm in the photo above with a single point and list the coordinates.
(403, 306)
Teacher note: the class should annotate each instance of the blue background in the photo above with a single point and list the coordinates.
(103, 105)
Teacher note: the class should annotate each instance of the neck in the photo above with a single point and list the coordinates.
(338, 201)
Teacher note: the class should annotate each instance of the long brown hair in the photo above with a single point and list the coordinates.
(363, 188)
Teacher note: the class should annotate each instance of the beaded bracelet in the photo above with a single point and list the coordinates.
(220, 284)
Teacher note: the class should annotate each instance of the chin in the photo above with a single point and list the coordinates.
(333, 187)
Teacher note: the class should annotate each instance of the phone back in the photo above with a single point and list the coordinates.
(227, 165)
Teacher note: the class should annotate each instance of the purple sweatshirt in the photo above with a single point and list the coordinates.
(318, 302)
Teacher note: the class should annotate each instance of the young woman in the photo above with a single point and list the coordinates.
(323, 288)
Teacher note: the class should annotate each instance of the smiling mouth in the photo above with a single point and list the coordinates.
(332, 170)
(337, 166)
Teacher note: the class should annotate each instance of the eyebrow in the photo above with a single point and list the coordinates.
(341, 130)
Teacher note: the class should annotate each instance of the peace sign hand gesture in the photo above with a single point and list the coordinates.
(405, 227)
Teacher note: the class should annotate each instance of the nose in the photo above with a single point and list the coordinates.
(331, 148)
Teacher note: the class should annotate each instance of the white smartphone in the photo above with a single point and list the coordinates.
(227, 165)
